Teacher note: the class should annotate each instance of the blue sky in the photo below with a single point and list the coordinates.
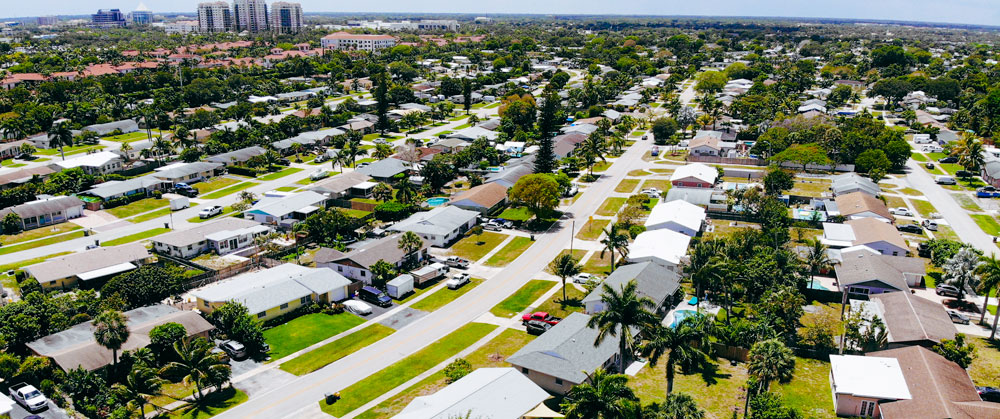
(952, 11)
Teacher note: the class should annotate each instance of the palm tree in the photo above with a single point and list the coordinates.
(969, 151)
(271, 159)
(615, 240)
(140, 385)
(989, 272)
(197, 363)
(593, 149)
(382, 192)
(111, 331)
(770, 360)
(625, 310)
(602, 396)
(684, 344)
(961, 270)
(162, 147)
(125, 148)
(816, 258)
(183, 137)
(679, 406)
(410, 242)
(405, 191)
(60, 136)
(564, 266)
(382, 151)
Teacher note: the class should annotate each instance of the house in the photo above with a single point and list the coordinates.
(563, 356)
(909, 319)
(864, 273)
(224, 236)
(344, 185)
(485, 392)
(187, 172)
(76, 347)
(120, 188)
(868, 232)
(99, 163)
(852, 182)
(11, 149)
(484, 199)
(651, 280)
(356, 263)
(439, 226)
(711, 198)
(513, 171)
(859, 204)
(126, 126)
(44, 212)
(991, 172)
(238, 156)
(664, 247)
(694, 175)
(269, 293)
(89, 266)
(565, 144)
(472, 133)
(680, 216)
(288, 209)
(450, 145)
(11, 178)
(710, 143)
(901, 383)
(384, 170)
(363, 126)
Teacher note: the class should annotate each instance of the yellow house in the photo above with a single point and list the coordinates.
(272, 292)
(89, 266)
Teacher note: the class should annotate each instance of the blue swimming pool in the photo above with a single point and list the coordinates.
(436, 202)
(680, 315)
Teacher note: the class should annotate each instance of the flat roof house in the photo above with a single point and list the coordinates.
(76, 347)
(679, 215)
(89, 266)
(857, 205)
(859, 383)
(664, 247)
(224, 236)
(100, 163)
(485, 392)
(910, 320)
(710, 143)
(869, 232)
(287, 210)
(439, 226)
(483, 199)
(344, 185)
(651, 281)
(237, 156)
(187, 172)
(269, 293)
(563, 356)
(694, 175)
(864, 273)
(356, 263)
(45, 212)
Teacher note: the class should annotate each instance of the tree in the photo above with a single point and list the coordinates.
(197, 364)
(235, 321)
(437, 173)
(803, 154)
(545, 158)
(872, 160)
(410, 243)
(382, 192)
(770, 360)
(140, 385)
(816, 258)
(969, 151)
(866, 333)
(382, 151)
(625, 311)
(163, 337)
(593, 148)
(989, 274)
(405, 192)
(467, 94)
(663, 129)
(11, 224)
(777, 180)
(961, 270)
(615, 240)
(679, 406)
(602, 396)
(539, 192)
(564, 266)
(457, 369)
(711, 82)
(683, 344)
(382, 106)
(111, 331)
(60, 136)
(382, 272)
(770, 406)
(957, 350)
(547, 116)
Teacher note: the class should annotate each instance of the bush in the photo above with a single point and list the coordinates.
(457, 369)
(392, 211)
(29, 286)
(244, 171)
(157, 194)
(79, 318)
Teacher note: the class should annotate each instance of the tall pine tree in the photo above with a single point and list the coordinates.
(467, 94)
(382, 97)
(545, 159)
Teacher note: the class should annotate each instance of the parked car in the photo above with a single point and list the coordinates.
(652, 192)
(947, 290)
(583, 278)
(28, 396)
(380, 141)
(501, 223)
(948, 159)
(457, 281)
(987, 192)
(375, 296)
(186, 190)
(910, 228)
(929, 165)
(456, 262)
(901, 211)
(957, 317)
(932, 149)
(235, 349)
(930, 225)
(964, 174)
(945, 180)
(923, 250)
(537, 327)
(319, 174)
(572, 191)
(210, 211)
(357, 307)
(540, 316)
(989, 394)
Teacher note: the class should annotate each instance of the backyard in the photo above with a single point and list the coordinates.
(307, 330)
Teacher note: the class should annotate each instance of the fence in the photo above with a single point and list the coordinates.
(355, 205)
(735, 353)
(726, 160)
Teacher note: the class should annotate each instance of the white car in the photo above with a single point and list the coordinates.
(933, 149)
(457, 281)
(583, 278)
(357, 307)
(210, 211)
(901, 211)
(319, 174)
(652, 192)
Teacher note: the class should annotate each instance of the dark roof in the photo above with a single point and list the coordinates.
(912, 319)
(385, 168)
(386, 248)
(339, 183)
(566, 351)
(486, 196)
(46, 206)
(861, 267)
(651, 281)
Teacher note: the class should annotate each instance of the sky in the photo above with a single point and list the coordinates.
(983, 12)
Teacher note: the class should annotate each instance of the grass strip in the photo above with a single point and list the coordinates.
(333, 351)
(135, 237)
(522, 298)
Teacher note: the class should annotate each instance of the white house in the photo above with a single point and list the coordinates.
(43, 212)
(869, 232)
(356, 264)
(287, 210)
(485, 392)
(224, 236)
(860, 383)
(679, 215)
(694, 175)
(663, 247)
(187, 172)
(439, 226)
(100, 163)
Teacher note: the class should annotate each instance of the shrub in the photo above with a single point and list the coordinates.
(457, 369)
(157, 194)
(392, 211)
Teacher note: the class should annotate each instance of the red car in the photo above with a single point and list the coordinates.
(540, 316)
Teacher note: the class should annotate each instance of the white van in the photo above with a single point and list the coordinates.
(922, 139)
(945, 180)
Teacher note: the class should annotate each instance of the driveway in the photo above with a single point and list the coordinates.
(53, 412)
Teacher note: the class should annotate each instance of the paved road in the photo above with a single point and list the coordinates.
(957, 218)
(302, 395)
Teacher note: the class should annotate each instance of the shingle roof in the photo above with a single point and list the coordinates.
(386, 248)
(651, 281)
(181, 238)
(870, 230)
(279, 207)
(566, 350)
(438, 221)
(385, 168)
(240, 155)
(859, 202)
(861, 267)
(493, 392)
(90, 260)
(46, 206)
(910, 318)
(188, 169)
(112, 188)
(26, 174)
(339, 183)
(269, 288)
(851, 182)
(486, 195)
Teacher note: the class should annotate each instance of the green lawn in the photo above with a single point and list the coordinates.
(966, 202)
(226, 211)
(286, 188)
(611, 206)
(396, 374)
(214, 184)
(601, 166)
(516, 214)
(951, 168)
(281, 174)
(523, 298)
(230, 190)
(154, 214)
(68, 150)
(444, 296)
(592, 229)
(662, 184)
(470, 248)
(627, 185)
(987, 223)
(809, 390)
(894, 201)
(918, 157)
(511, 251)
(924, 207)
(911, 192)
(598, 265)
(333, 351)
(639, 172)
(137, 207)
(559, 308)
(39, 243)
(136, 237)
(38, 233)
(213, 404)
(307, 330)
(812, 188)
(132, 136)
(985, 368)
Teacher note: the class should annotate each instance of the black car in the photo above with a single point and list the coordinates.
(949, 159)
(964, 173)
(374, 296)
(910, 228)
(989, 394)
(537, 327)
(923, 250)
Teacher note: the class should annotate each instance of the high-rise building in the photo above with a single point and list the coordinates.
(107, 18)
(360, 42)
(141, 15)
(250, 15)
(47, 20)
(286, 17)
(215, 17)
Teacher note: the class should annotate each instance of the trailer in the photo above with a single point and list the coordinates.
(429, 273)
(177, 202)
(400, 286)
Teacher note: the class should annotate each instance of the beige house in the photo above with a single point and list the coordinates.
(269, 293)
(90, 266)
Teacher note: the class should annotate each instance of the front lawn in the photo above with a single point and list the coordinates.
(987, 223)
(132, 136)
(924, 207)
(599, 265)
(136, 237)
(307, 330)
(333, 351)
(511, 251)
(559, 308)
(137, 207)
(662, 184)
(281, 174)
(226, 211)
(985, 368)
(893, 201)
(38, 233)
(516, 214)
(521, 299)
(230, 190)
(627, 185)
(601, 166)
(611, 206)
(592, 229)
(214, 184)
(286, 188)
(911, 192)
(374, 385)
(966, 202)
(442, 297)
(212, 405)
(918, 157)
(474, 247)
(42, 242)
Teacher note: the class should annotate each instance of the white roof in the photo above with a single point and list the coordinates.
(279, 207)
(89, 160)
(665, 245)
(486, 392)
(438, 221)
(110, 270)
(269, 288)
(227, 234)
(6, 404)
(680, 212)
(841, 235)
(698, 171)
(869, 376)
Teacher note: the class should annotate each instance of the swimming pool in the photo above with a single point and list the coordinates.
(817, 286)
(436, 202)
(680, 315)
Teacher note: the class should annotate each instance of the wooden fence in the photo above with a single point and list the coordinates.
(726, 160)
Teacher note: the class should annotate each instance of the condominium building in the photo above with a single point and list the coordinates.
(181, 26)
(286, 17)
(141, 15)
(349, 41)
(215, 17)
(47, 20)
(107, 18)
(250, 15)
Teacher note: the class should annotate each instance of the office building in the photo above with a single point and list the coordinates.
(250, 15)
(350, 41)
(47, 20)
(181, 26)
(214, 17)
(141, 15)
(286, 17)
(107, 19)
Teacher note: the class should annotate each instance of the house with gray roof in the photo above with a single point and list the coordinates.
(269, 293)
(991, 172)
(485, 392)
(383, 170)
(350, 184)
(187, 172)
(223, 236)
(563, 356)
(89, 267)
(866, 273)
(307, 139)
(237, 156)
(286, 210)
(852, 182)
(120, 188)
(439, 226)
(356, 264)
(513, 171)
(126, 126)
(909, 319)
(651, 279)
(45, 212)
(472, 133)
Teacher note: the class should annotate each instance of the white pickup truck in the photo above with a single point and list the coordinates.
(28, 396)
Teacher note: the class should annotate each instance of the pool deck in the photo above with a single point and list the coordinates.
(707, 308)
